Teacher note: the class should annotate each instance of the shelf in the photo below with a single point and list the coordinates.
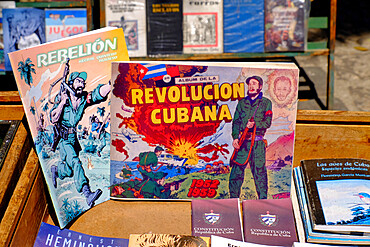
(223, 56)
(56, 4)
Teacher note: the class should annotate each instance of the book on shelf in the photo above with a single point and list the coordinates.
(338, 194)
(304, 225)
(219, 217)
(22, 28)
(164, 27)
(147, 240)
(3, 5)
(50, 235)
(244, 26)
(286, 25)
(269, 221)
(62, 23)
(65, 90)
(28, 1)
(203, 27)
(174, 125)
(131, 17)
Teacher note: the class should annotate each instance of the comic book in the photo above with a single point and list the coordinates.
(65, 90)
(183, 130)
(61, 23)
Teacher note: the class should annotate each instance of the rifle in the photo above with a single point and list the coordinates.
(244, 136)
(64, 86)
(177, 184)
(103, 124)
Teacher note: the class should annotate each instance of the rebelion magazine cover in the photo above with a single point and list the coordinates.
(65, 90)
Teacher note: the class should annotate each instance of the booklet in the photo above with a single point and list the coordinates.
(269, 222)
(219, 217)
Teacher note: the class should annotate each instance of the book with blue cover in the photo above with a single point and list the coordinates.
(50, 235)
(3, 5)
(23, 28)
(62, 23)
(243, 26)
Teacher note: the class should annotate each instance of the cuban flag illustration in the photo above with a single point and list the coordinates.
(212, 217)
(268, 219)
(157, 71)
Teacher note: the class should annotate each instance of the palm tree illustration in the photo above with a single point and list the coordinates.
(26, 69)
(101, 111)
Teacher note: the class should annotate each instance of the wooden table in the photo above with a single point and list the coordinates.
(319, 134)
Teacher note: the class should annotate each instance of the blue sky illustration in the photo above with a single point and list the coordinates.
(337, 197)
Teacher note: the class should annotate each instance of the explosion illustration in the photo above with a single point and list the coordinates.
(178, 136)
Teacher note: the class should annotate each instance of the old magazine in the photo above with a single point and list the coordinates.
(65, 90)
(202, 130)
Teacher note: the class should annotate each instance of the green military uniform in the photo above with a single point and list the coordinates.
(149, 188)
(246, 108)
(148, 159)
(69, 147)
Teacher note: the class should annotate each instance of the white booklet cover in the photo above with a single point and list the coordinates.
(203, 27)
(130, 15)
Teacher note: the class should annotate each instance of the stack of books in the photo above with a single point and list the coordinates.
(331, 201)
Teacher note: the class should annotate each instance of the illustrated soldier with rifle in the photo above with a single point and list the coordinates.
(100, 128)
(252, 118)
(68, 110)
